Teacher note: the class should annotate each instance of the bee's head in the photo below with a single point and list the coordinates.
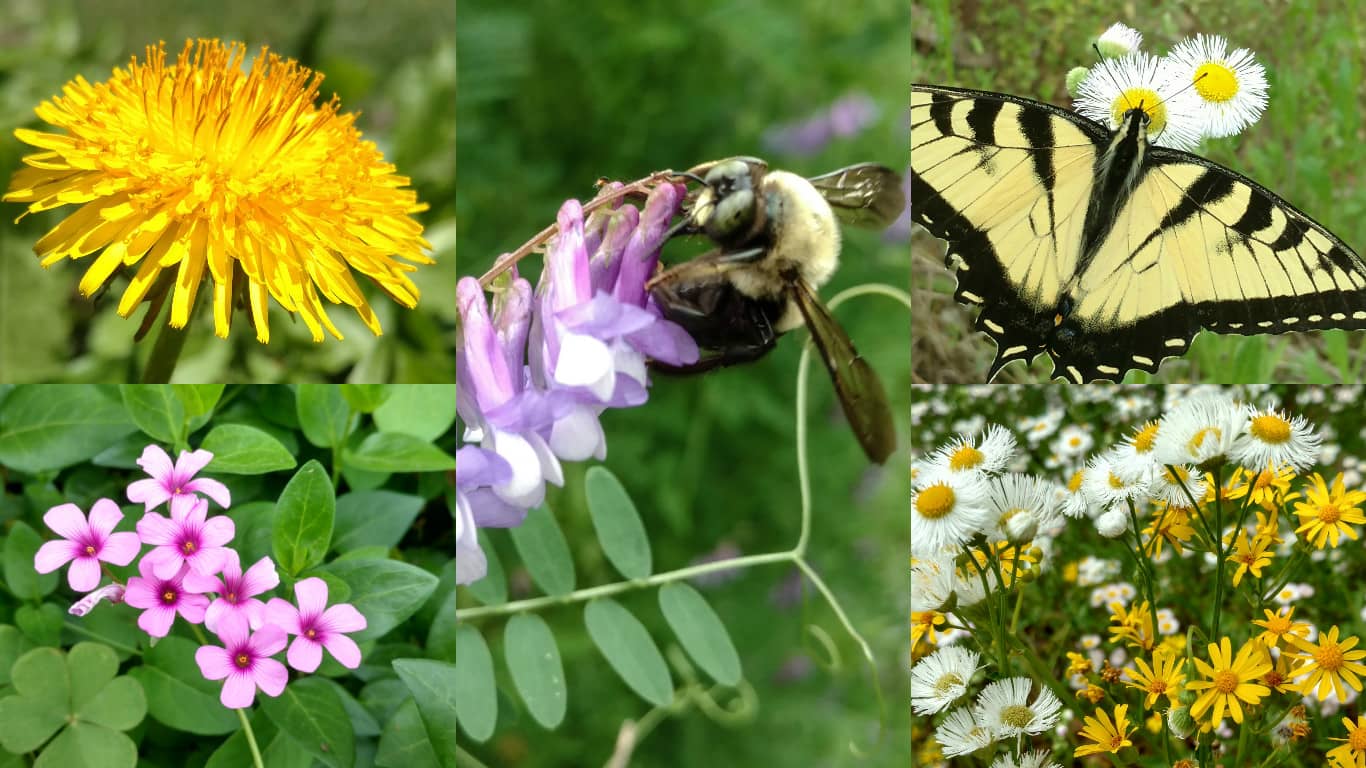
(725, 209)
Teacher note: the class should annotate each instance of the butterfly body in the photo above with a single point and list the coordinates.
(1104, 251)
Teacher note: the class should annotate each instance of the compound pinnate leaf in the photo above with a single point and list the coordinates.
(476, 696)
(534, 661)
(618, 524)
(545, 552)
(630, 650)
(701, 632)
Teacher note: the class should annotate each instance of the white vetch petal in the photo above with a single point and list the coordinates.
(470, 563)
(579, 436)
(526, 487)
(585, 362)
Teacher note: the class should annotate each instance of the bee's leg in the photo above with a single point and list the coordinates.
(730, 328)
(707, 267)
(731, 354)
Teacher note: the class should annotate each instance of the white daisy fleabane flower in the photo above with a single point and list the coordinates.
(1113, 483)
(1140, 80)
(931, 582)
(1004, 707)
(1035, 759)
(1231, 86)
(969, 587)
(1119, 40)
(947, 510)
(1199, 430)
(1113, 524)
(961, 734)
(1173, 490)
(941, 678)
(1021, 505)
(990, 452)
(1073, 440)
(1039, 428)
(1272, 438)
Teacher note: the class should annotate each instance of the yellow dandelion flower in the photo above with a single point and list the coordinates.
(1328, 664)
(1228, 682)
(203, 165)
(1327, 515)
(1163, 678)
(1105, 734)
(1353, 752)
(1279, 626)
(1250, 557)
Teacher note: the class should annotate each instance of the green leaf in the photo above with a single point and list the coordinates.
(386, 592)
(618, 524)
(20, 547)
(310, 712)
(372, 518)
(241, 450)
(628, 648)
(156, 410)
(323, 414)
(89, 746)
(701, 632)
(404, 742)
(493, 588)
(234, 752)
(362, 721)
(365, 398)
(178, 695)
(544, 551)
(13, 644)
(120, 705)
(383, 697)
(303, 519)
(199, 401)
(92, 666)
(42, 624)
(40, 706)
(433, 686)
(255, 523)
(51, 426)
(397, 452)
(440, 638)
(476, 695)
(424, 411)
(534, 661)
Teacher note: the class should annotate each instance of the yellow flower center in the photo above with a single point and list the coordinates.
(1074, 484)
(948, 684)
(242, 660)
(188, 547)
(1017, 716)
(1145, 99)
(1264, 478)
(1215, 82)
(1198, 439)
(1329, 656)
(1115, 482)
(966, 457)
(1278, 624)
(1329, 513)
(1074, 441)
(1158, 686)
(311, 633)
(1226, 681)
(1357, 740)
(89, 549)
(934, 502)
(168, 596)
(232, 597)
(1270, 428)
(1274, 678)
(1143, 441)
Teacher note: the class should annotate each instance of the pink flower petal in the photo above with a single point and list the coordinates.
(141, 593)
(104, 516)
(84, 574)
(232, 566)
(214, 662)
(120, 548)
(213, 489)
(312, 596)
(156, 621)
(166, 562)
(239, 691)
(155, 462)
(183, 506)
(256, 613)
(304, 654)
(207, 561)
(67, 520)
(192, 607)
(198, 512)
(155, 529)
(269, 641)
(54, 554)
(222, 612)
(200, 583)
(217, 531)
(149, 493)
(259, 578)
(190, 462)
(272, 676)
(344, 650)
(233, 634)
(283, 615)
(343, 617)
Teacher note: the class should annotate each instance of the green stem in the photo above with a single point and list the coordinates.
(251, 739)
(165, 354)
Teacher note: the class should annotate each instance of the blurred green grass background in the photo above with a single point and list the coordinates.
(392, 62)
(1309, 148)
(556, 95)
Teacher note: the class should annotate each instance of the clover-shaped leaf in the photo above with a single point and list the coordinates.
(78, 690)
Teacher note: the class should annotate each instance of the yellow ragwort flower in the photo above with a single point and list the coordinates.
(1228, 681)
(1328, 664)
(1329, 514)
(1353, 752)
(178, 168)
(1106, 735)
(1164, 678)
(1250, 556)
(1279, 626)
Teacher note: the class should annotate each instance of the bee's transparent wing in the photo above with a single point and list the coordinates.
(866, 195)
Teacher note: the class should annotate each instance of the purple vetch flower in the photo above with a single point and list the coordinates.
(317, 626)
(186, 539)
(845, 117)
(162, 599)
(86, 543)
(236, 591)
(477, 472)
(171, 481)
(245, 661)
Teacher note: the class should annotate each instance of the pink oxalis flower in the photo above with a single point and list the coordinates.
(317, 628)
(236, 591)
(85, 543)
(170, 482)
(162, 599)
(245, 662)
(187, 538)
